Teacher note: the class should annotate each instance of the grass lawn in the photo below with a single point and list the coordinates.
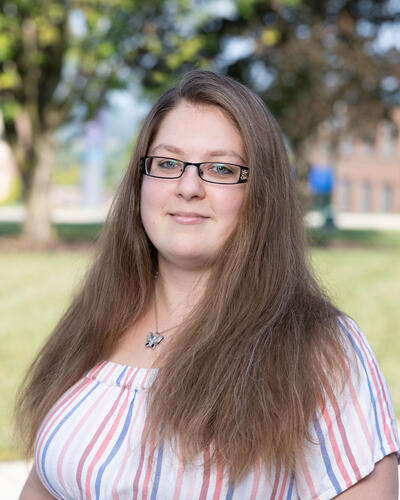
(35, 288)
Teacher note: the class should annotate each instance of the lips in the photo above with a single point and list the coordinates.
(188, 217)
(189, 214)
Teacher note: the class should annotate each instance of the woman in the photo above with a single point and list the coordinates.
(200, 360)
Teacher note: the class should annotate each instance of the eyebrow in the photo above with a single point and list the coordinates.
(216, 152)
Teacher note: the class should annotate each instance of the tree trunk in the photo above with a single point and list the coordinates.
(38, 230)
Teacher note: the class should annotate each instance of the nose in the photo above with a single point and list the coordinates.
(190, 185)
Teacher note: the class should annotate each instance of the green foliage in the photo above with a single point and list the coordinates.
(270, 36)
(15, 192)
(186, 51)
(5, 47)
(67, 175)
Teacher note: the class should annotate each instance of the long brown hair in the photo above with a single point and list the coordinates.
(259, 352)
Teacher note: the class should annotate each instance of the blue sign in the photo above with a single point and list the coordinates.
(320, 179)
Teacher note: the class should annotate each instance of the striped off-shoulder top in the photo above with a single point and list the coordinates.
(91, 446)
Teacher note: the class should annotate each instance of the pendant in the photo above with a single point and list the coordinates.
(153, 340)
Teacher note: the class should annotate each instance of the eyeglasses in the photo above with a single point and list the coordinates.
(216, 172)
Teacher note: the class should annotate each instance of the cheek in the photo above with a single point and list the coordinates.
(230, 203)
(152, 198)
(147, 210)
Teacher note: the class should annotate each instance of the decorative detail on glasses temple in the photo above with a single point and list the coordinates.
(244, 174)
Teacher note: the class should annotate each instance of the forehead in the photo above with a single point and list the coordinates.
(198, 127)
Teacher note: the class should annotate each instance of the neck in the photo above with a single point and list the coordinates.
(177, 291)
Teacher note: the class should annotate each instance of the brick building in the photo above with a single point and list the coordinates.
(367, 173)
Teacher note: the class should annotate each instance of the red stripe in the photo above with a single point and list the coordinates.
(148, 468)
(135, 486)
(92, 443)
(363, 422)
(283, 487)
(256, 480)
(73, 434)
(128, 450)
(379, 392)
(179, 476)
(307, 475)
(64, 404)
(219, 479)
(104, 444)
(334, 444)
(276, 481)
(206, 475)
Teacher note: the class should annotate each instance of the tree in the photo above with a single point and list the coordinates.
(59, 59)
(311, 61)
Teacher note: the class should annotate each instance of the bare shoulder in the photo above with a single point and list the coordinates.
(382, 483)
(34, 489)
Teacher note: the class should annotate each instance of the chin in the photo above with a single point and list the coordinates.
(189, 259)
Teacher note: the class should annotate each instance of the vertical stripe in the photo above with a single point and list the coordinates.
(334, 444)
(149, 467)
(115, 448)
(219, 479)
(256, 480)
(372, 398)
(91, 444)
(104, 444)
(291, 485)
(229, 493)
(276, 481)
(375, 371)
(158, 473)
(306, 473)
(74, 432)
(179, 475)
(283, 485)
(54, 432)
(128, 449)
(361, 417)
(346, 446)
(326, 458)
(206, 476)
(63, 403)
(118, 382)
(55, 412)
(135, 486)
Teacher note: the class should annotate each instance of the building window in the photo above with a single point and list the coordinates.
(346, 195)
(369, 145)
(387, 198)
(346, 146)
(389, 139)
(365, 197)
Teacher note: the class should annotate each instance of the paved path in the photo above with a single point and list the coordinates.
(13, 476)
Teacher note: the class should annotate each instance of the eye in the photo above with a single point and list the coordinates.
(167, 163)
(222, 169)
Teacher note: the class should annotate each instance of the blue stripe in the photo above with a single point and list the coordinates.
(115, 448)
(118, 382)
(56, 429)
(158, 473)
(291, 484)
(371, 393)
(325, 457)
(229, 493)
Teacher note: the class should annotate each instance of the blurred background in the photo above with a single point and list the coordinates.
(77, 78)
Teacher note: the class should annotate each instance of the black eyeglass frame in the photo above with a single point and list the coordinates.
(244, 171)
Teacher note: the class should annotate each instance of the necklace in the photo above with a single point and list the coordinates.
(155, 338)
